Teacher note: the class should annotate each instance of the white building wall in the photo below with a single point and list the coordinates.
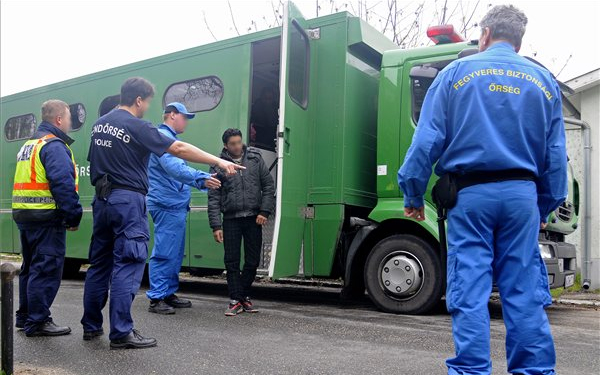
(588, 103)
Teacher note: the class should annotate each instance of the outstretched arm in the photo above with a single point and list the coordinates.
(192, 153)
(180, 171)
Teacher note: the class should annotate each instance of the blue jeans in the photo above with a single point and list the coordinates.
(493, 235)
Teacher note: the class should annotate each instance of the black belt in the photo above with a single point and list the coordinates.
(486, 177)
(125, 187)
(445, 194)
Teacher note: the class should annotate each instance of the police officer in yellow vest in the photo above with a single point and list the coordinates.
(45, 205)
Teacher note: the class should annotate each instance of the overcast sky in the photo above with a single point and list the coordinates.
(43, 42)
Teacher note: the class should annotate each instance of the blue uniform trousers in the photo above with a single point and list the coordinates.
(118, 253)
(493, 235)
(168, 251)
(43, 251)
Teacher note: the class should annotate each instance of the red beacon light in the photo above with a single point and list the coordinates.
(444, 34)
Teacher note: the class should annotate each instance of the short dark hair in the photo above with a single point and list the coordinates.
(170, 109)
(231, 133)
(134, 87)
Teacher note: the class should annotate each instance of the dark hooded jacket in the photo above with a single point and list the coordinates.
(248, 193)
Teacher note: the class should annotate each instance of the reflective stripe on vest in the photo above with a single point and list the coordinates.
(31, 190)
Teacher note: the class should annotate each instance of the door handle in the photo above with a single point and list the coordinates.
(286, 139)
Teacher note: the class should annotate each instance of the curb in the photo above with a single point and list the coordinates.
(576, 302)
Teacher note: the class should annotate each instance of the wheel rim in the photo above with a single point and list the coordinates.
(401, 275)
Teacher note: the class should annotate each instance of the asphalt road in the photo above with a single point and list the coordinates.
(300, 330)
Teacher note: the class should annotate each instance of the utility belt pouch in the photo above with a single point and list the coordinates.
(103, 187)
(445, 192)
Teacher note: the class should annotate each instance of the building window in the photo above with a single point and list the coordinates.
(108, 104)
(198, 95)
(78, 115)
(20, 127)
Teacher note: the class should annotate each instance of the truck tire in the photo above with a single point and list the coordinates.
(403, 275)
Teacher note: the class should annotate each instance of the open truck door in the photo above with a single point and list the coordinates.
(293, 146)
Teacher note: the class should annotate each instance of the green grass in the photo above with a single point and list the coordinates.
(558, 292)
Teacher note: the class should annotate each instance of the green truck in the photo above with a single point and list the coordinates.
(349, 101)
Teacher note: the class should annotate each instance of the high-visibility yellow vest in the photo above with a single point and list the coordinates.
(31, 198)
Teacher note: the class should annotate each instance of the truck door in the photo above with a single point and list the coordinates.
(293, 145)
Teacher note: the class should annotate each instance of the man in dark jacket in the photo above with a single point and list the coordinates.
(45, 204)
(246, 200)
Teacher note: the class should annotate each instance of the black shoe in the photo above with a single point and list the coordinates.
(177, 302)
(160, 307)
(20, 325)
(248, 306)
(133, 341)
(49, 329)
(89, 335)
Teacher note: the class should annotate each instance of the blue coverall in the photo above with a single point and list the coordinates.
(488, 112)
(168, 203)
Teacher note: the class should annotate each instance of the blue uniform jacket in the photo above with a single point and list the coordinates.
(494, 110)
(171, 179)
(60, 172)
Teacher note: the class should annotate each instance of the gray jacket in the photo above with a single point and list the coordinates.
(248, 193)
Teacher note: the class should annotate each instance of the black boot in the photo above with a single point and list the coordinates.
(49, 329)
(177, 302)
(133, 341)
(158, 306)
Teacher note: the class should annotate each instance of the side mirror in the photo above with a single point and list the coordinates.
(422, 71)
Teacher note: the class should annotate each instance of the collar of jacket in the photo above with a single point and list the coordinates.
(249, 152)
(170, 129)
(47, 128)
(502, 45)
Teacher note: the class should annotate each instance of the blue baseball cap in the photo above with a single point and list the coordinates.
(179, 108)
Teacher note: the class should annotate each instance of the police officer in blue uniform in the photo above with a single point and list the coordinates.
(493, 121)
(171, 181)
(119, 151)
(45, 206)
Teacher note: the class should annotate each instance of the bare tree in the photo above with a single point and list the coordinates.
(232, 18)
(208, 26)
(403, 22)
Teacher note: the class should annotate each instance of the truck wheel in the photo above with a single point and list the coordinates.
(403, 275)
